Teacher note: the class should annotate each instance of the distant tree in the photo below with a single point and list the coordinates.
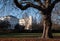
(4, 24)
(46, 8)
(19, 28)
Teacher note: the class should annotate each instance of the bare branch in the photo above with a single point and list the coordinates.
(47, 3)
(40, 3)
(53, 4)
(19, 5)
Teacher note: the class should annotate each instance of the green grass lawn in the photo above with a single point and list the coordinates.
(21, 35)
(56, 34)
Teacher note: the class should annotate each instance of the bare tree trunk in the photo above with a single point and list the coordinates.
(47, 32)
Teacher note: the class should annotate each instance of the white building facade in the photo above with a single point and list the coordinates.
(27, 22)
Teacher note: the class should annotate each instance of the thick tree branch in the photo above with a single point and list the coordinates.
(40, 3)
(47, 3)
(19, 5)
(53, 4)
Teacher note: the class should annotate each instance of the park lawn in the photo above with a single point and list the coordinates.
(20, 35)
(56, 34)
(23, 35)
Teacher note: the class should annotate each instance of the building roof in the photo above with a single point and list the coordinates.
(11, 16)
(2, 18)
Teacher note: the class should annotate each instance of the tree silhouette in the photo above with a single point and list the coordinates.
(19, 28)
(46, 8)
(4, 24)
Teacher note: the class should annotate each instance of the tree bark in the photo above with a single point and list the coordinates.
(47, 32)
